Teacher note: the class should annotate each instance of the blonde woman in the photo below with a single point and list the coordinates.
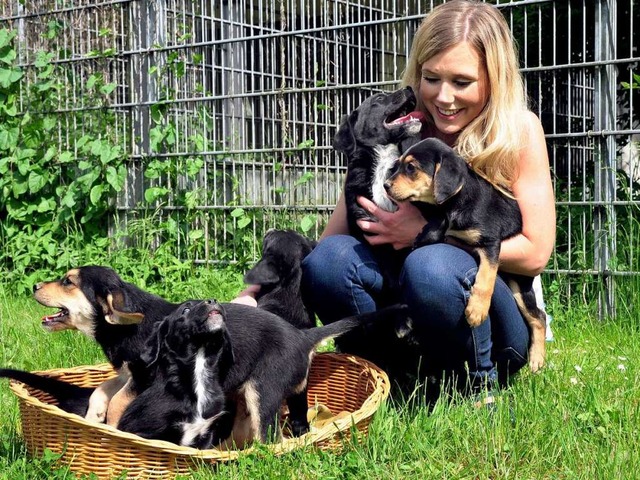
(463, 67)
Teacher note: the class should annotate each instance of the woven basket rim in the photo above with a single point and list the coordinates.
(368, 408)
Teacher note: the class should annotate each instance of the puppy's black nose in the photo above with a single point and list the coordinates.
(212, 301)
(37, 287)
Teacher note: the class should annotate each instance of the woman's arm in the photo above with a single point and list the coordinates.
(529, 252)
(337, 223)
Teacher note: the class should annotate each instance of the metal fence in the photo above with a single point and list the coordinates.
(249, 95)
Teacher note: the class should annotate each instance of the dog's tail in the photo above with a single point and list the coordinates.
(396, 315)
(71, 398)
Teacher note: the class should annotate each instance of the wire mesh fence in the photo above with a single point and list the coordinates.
(226, 111)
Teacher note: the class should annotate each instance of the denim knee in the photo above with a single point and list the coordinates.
(340, 278)
(436, 282)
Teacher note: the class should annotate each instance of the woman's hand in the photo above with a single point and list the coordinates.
(248, 296)
(399, 228)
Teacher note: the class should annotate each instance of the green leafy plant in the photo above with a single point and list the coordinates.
(52, 199)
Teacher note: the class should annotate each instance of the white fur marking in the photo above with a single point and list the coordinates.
(85, 319)
(385, 157)
(200, 377)
(198, 425)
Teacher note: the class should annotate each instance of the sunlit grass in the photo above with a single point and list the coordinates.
(578, 419)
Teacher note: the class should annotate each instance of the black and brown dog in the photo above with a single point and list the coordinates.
(177, 381)
(98, 303)
(473, 211)
(372, 137)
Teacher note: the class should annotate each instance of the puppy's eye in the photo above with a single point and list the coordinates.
(410, 168)
(66, 282)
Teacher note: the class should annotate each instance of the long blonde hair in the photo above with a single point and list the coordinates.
(491, 142)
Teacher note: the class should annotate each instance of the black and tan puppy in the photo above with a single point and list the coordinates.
(473, 211)
(272, 359)
(175, 380)
(98, 303)
(372, 137)
(279, 273)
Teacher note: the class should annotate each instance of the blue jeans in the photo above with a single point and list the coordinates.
(343, 277)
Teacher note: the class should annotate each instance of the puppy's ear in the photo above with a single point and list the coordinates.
(345, 141)
(117, 311)
(449, 175)
(263, 273)
(227, 357)
(154, 344)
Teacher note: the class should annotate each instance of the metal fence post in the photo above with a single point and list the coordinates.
(605, 154)
(149, 16)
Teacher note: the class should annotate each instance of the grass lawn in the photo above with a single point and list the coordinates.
(578, 419)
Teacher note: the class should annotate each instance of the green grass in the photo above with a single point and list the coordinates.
(578, 419)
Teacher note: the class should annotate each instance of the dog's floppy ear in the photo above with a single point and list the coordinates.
(345, 141)
(154, 344)
(262, 273)
(449, 175)
(117, 310)
(227, 355)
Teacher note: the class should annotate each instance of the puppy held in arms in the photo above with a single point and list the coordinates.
(372, 137)
(473, 211)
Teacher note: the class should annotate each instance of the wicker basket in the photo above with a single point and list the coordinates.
(343, 383)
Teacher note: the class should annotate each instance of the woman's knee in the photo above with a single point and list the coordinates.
(330, 260)
(339, 276)
(437, 275)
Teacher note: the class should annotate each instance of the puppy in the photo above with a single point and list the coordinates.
(178, 378)
(279, 273)
(98, 303)
(473, 211)
(272, 359)
(372, 138)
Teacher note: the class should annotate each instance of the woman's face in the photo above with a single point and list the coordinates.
(454, 87)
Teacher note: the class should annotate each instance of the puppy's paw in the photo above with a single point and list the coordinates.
(477, 310)
(96, 413)
(536, 359)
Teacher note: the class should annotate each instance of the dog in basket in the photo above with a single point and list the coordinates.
(98, 303)
(259, 357)
(271, 356)
(177, 380)
(474, 212)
